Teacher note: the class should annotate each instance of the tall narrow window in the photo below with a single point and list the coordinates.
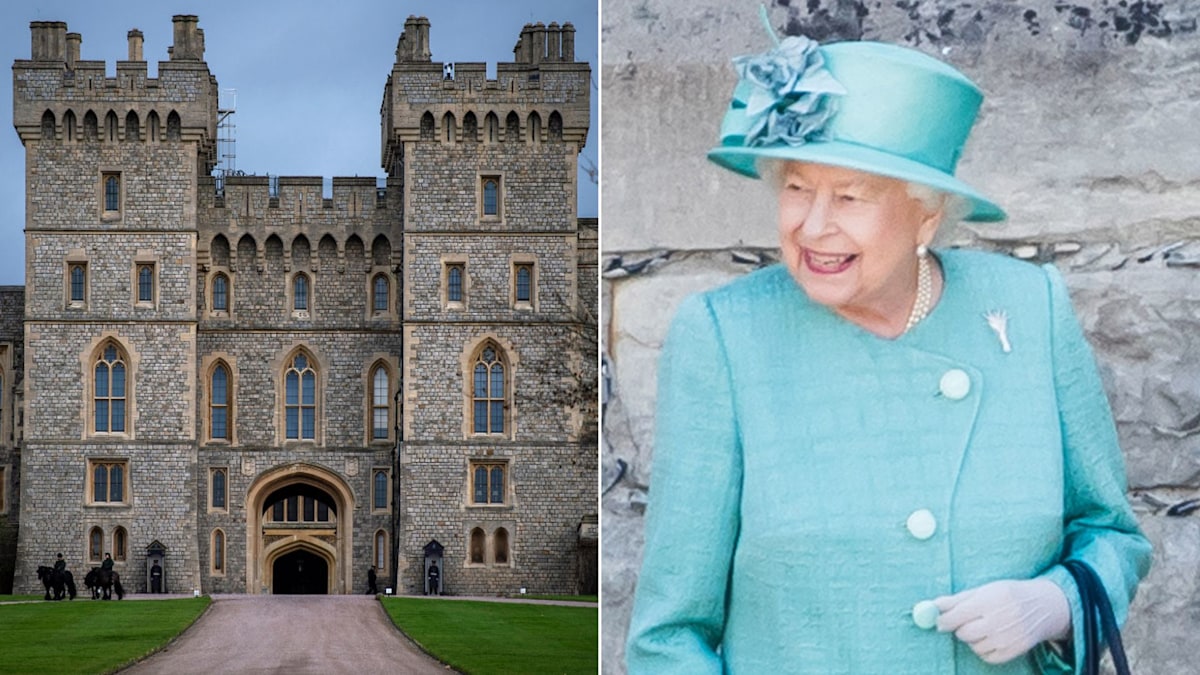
(491, 196)
(379, 404)
(301, 407)
(218, 551)
(524, 283)
(219, 403)
(218, 488)
(488, 392)
(380, 550)
(109, 391)
(78, 283)
(145, 275)
(112, 192)
(454, 282)
(220, 293)
(477, 546)
(379, 293)
(381, 489)
(120, 544)
(95, 544)
(100, 483)
(300, 293)
(500, 546)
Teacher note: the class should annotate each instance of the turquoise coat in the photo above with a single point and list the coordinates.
(812, 481)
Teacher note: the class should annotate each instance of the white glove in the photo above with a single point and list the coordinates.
(1004, 619)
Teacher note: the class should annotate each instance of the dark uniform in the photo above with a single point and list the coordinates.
(108, 562)
(435, 576)
(156, 578)
(371, 581)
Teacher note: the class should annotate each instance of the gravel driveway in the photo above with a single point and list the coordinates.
(291, 634)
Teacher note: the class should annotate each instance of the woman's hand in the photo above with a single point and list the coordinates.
(1004, 619)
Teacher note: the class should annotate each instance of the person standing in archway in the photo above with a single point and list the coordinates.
(435, 576)
(156, 578)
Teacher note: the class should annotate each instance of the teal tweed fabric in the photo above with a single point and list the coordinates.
(792, 447)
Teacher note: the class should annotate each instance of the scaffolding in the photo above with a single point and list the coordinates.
(226, 139)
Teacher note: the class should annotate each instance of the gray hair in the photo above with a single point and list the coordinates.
(954, 207)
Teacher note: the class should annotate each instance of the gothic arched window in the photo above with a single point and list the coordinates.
(220, 293)
(488, 396)
(380, 387)
(379, 293)
(300, 293)
(109, 390)
(218, 403)
(300, 407)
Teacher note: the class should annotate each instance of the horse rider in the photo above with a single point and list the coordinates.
(60, 565)
(108, 562)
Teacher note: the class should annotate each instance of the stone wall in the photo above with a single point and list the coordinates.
(1084, 138)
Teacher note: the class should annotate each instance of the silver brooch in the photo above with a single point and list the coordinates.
(997, 320)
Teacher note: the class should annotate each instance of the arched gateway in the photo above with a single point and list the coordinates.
(299, 531)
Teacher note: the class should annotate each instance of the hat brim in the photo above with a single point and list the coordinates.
(742, 160)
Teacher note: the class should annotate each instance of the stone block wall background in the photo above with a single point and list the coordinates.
(1086, 138)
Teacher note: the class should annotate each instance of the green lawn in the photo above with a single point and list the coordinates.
(21, 598)
(86, 636)
(485, 638)
(550, 596)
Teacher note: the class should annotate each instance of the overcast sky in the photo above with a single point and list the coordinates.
(309, 74)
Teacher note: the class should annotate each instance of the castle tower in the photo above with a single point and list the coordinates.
(495, 463)
(109, 458)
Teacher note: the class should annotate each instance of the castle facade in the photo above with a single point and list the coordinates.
(271, 385)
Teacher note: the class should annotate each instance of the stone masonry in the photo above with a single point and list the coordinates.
(1084, 138)
(251, 275)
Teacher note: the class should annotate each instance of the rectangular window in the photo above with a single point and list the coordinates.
(145, 282)
(523, 284)
(112, 191)
(108, 481)
(454, 282)
(487, 482)
(380, 489)
(490, 197)
(77, 282)
(218, 490)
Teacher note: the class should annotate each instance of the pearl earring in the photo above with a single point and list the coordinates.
(922, 250)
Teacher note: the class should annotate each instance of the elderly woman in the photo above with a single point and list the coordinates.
(874, 457)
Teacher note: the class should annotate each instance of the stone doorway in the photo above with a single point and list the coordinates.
(300, 572)
(299, 529)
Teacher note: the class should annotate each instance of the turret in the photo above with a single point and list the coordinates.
(49, 40)
(135, 45)
(189, 39)
(414, 41)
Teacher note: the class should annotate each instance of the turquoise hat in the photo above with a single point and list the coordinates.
(869, 106)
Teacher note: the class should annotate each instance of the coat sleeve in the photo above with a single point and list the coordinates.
(693, 514)
(1099, 527)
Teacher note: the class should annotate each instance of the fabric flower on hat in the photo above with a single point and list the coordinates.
(789, 101)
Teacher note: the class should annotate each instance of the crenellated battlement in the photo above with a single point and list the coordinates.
(58, 96)
(543, 96)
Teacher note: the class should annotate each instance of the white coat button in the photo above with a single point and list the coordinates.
(921, 524)
(955, 384)
(925, 614)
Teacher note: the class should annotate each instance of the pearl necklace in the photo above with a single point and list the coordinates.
(924, 300)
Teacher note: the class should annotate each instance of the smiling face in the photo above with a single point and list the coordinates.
(849, 239)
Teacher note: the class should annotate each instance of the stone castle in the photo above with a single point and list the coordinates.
(271, 386)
